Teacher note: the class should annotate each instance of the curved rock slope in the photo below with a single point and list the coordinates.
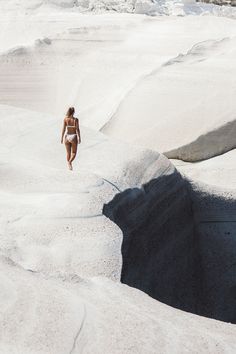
(215, 143)
(218, 171)
(51, 219)
(92, 62)
(69, 314)
(179, 244)
(186, 109)
(60, 257)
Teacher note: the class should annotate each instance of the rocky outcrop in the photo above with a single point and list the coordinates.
(214, 143)
(186, 117)
(179, 244)
(159, 243)
(220, 2)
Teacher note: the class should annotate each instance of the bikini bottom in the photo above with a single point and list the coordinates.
(70, 137)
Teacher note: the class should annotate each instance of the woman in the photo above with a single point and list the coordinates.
(72, 136)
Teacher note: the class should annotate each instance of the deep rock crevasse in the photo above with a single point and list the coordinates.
(179, 244)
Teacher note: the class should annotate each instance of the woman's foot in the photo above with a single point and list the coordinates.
(70, 165)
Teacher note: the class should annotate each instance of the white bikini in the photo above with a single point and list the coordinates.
(70, 137)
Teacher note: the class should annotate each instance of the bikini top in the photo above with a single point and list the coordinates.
(72, 126)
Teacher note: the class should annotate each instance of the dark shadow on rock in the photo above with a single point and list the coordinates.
(163, 248)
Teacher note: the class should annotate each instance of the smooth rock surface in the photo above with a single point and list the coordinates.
(218, 171)
(200, 122)
(68, 314)
(61, 258)
(52, 218)
(55, 242)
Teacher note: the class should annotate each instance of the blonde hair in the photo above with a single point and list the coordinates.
(70, 112)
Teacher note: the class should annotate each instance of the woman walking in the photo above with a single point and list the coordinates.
(72, 135)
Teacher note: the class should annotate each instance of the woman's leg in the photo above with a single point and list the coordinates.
(68, 153)
(73, 150)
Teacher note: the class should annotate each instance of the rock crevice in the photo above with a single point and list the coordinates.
(170, 253)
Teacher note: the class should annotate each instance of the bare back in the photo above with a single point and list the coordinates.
(71, 124)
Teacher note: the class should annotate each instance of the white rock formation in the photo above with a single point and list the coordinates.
(218, 171)
(72, 315)
(54, 238)
(53, 220)
(60, 257)
(200, 121)
(71, 64)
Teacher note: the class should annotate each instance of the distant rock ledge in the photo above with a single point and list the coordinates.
(220, 2)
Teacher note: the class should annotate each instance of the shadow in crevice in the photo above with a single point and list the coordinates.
(163, 247)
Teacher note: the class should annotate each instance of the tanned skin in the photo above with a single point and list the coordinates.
(71, 147)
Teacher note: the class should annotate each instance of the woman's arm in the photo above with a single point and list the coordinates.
(78, 130)
(63, 131)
